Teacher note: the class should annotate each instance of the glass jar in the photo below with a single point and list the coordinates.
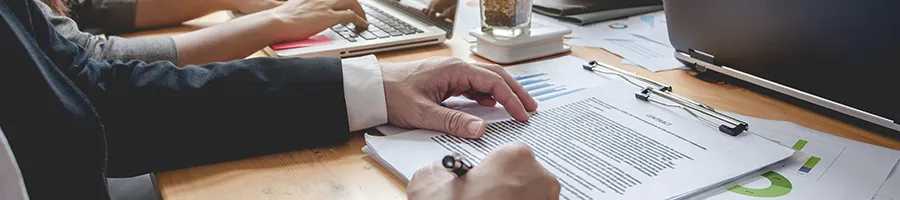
(505, 18)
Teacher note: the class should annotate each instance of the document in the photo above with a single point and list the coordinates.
(601, 143)
(624, 28)
(835, 169)
(890, 190)
(647, 54)
(642, 40)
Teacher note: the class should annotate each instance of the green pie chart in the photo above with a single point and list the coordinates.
(780, 187)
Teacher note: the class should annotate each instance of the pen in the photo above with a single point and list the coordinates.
(455, 163)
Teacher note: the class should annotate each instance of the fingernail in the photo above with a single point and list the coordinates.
(474, 127)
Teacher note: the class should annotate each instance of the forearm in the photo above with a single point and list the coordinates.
(236, 39)
(151, 13)
(160, 118)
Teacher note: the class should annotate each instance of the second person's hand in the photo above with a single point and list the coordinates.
(301, 19)
(509, 172)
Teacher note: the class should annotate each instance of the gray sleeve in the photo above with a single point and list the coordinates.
(113, 48)
(110, 16)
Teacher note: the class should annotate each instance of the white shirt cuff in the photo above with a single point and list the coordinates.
(364, 92)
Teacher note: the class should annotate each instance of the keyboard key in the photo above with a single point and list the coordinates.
(381, 34)
(381, 25)
(367, 35)
(349, 34)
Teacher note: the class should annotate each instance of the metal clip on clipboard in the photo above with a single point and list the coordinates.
(731, 127)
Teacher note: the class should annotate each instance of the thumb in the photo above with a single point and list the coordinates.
(455, 122)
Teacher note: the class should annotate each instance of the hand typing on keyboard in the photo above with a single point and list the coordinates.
(300, 19)
(381, 25)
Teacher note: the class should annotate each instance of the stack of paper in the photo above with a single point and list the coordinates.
(601, 143)
(827, 167)
(833, 168)
(642, 40)
(838, 168)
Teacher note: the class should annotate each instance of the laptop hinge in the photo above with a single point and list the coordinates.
(695, 57)
(702, 56)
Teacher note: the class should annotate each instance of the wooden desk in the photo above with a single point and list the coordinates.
(345, 172)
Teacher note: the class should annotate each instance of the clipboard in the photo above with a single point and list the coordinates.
(730, 125)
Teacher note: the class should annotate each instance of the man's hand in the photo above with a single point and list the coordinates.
(413, 91)
(509, 172)
(301, 19)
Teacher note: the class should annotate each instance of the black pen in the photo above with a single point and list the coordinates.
(456, 164)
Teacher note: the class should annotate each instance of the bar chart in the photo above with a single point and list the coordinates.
(541, 87)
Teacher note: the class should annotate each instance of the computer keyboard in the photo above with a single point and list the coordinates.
(381, 25)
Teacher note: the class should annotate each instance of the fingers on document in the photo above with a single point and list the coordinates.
(454, 122)
(487, 81)
(527, 101)
(481, 98)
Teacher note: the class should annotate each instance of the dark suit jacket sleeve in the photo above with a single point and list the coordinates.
(159, 117)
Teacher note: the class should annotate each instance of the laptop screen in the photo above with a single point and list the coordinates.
(843, 51)
(440, 13)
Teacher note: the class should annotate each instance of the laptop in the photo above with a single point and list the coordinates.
(838, 57)
(393, 24)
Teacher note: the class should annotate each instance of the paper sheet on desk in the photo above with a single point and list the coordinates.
(589, 140)
(615, 29)
(647, 54)
(890, 190)
(846, 169)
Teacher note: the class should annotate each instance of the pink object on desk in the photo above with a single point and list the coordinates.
(315, 40)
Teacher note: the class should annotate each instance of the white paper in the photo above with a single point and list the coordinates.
(658, 35)
(614, 29)
(563, 72)
(881, 197)
(843, 177)
(649, 55)
(658, 31)
(891, 187)
(638, 150)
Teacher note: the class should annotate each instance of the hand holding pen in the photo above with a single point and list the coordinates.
(509, 172)
(456, 164)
